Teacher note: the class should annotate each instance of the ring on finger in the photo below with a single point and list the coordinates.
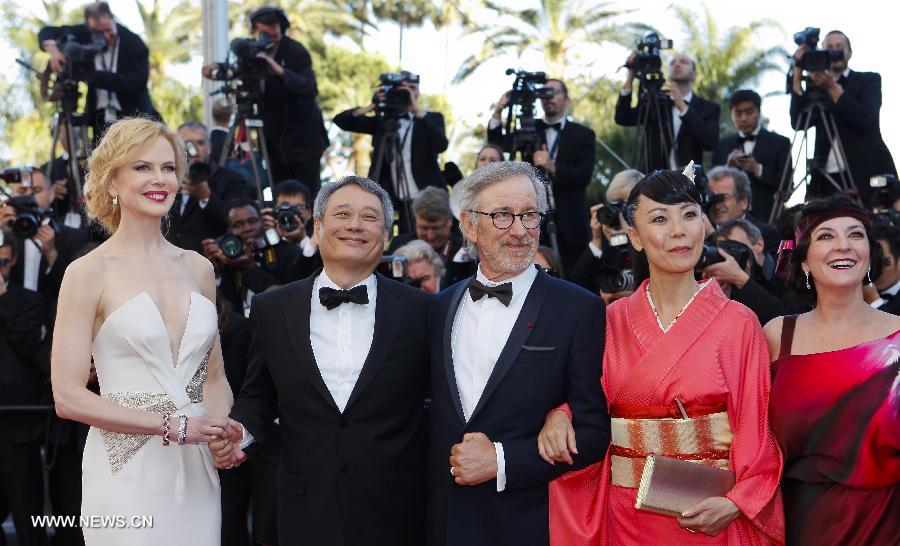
(452, 473)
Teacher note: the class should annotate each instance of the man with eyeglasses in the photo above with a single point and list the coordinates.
(507, 347)
(567, 156)
(732, 188)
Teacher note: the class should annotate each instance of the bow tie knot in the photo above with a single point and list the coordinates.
(502, 292)
(332, 298)
(557, 126)
(749, 138)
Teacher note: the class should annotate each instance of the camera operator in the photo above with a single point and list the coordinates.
(567, 155)
(292, 122)
(23, 375)
(260, 264)
(291, 218)
(854, 99)
(888, 283)
(732, 193)
(424, 267)
(118, 88)
(198, 213)
(762, 154)
(608, 251)
(45, 255)
(65, 205)
(421, 133)
(220, 112)
(694, 121)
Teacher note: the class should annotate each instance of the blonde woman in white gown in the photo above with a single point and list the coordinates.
(144, 309)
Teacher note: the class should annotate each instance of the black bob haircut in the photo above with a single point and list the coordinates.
(667, 187)
(745, 95)
(796, 278)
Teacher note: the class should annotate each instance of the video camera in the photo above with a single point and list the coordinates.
(397, 99)
(79, 65)
(521, 135)
(647, 63)
(525, 90)
(816, 59)
(247, 67)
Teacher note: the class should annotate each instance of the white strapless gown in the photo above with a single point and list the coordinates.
(131, 479)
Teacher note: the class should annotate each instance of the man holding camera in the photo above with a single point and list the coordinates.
(292, 122)
(290, 218)
(763, 155)
(730, 200)
(694, 121)
(567, 155)
(854, 102)
(888, 283)
(418, 134)
(199, 211)
(118, 87)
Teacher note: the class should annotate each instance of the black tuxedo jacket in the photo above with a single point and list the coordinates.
(575, 159)
(892, 306)
(857, 117)
(428, 141)
(68, 242)
(217, 138)
(699, 131)
(773, 152)
(23, 375)
(129, 81)
(553, 355)
(188, 230)
(355, 477)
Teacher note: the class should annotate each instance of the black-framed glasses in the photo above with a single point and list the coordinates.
(504, 219)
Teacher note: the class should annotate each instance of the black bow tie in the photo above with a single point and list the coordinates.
(749, 138)
(887, 296)
(557, 126)
(503, 292)
(332, 298)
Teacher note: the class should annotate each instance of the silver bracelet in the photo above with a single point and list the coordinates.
(167, 428)
(182, 428)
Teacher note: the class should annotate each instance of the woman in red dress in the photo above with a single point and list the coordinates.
(674, 343)
(835, 402)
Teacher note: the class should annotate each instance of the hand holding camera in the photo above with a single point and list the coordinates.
(287, 220)
(228, 252)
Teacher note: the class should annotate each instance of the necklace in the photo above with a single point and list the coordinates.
(683, 309)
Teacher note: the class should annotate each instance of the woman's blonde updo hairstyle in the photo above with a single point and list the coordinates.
(120, 145)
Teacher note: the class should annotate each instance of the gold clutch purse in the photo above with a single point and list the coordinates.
(671, 486)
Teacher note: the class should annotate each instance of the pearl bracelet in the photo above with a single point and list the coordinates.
(167, 428)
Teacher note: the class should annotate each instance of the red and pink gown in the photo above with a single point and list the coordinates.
(714, 359)
(837, 418)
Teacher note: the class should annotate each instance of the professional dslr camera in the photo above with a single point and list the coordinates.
(710, 255)
(197, 171)
(29, 216)
(647, 63)
(397, 99)
(816, 59)
(610, 279)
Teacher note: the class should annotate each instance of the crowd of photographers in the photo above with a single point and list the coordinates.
(257, 244)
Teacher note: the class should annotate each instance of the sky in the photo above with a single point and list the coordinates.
(437, 54)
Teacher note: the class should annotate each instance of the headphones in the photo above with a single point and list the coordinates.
(268, 10)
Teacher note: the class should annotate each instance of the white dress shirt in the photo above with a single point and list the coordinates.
(406, 128)
(341, 338)
(480, 331)
(107, 61)
(550, 134)
(676, 127)
(32, 265)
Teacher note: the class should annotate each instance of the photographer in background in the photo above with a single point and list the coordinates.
(888, 283)
(420, 137)
(45, 255)
(694, 122)
(732, 194)
(198, 213)
(567, 155)
(118, 88)
(220, 112)
(424, 267)
(254, 263)
(854, 100)
(291, 219)
(23, 376)
(760, 153)
(292, 122)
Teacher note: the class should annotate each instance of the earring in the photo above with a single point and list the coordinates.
(115, 200)
(808, 287)
(869, 275)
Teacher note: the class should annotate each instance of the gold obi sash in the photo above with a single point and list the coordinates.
(704, 439)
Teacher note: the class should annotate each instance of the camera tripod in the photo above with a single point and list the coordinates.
(239, 135)
(654, 117)
(390, 150)
(842, 181)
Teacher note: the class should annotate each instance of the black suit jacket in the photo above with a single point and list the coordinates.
(217, 138)
(129, 81)
(428, 141)
(188, 230)
(773, 152)
(857, 117)
(23, 376)
(699, 131)
(575, 159)
(355, 477)
(68, 242)
(553, 355)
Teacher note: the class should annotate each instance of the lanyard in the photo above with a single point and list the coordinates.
(114, 57)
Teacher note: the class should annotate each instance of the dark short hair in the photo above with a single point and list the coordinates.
(240, 203)
(562, 85)
(890, 234)
(96, 9)
(752, 232)
(667, 187)
(742, 189)
(830, 32)
(745, 95)
(221, 111)
(291, 187)
(796, 278)
(9, 239)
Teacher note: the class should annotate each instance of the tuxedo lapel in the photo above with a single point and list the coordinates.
(524, 323)
(387, 325)
(296, 314)
(448, 347)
